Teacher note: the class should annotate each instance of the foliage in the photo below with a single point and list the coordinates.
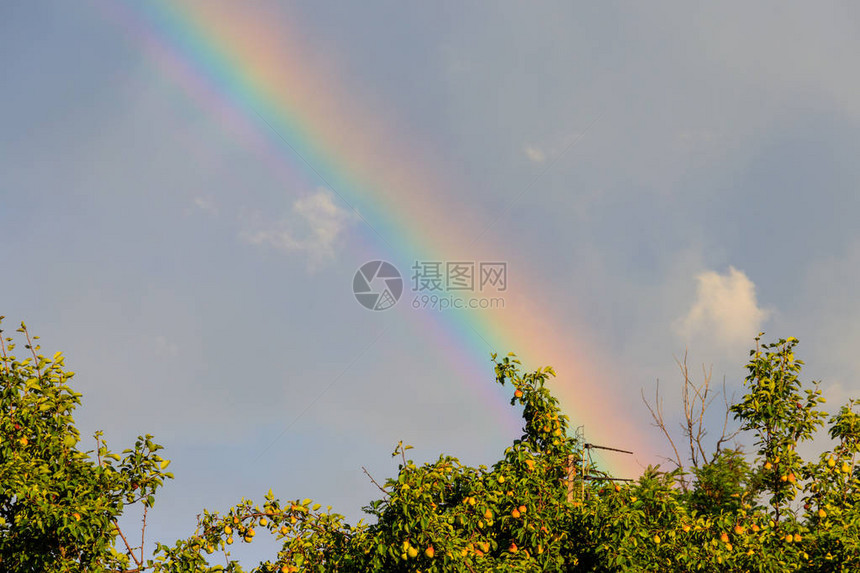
(720, 483)
(780, 413)
(530, 511)
(59, 505)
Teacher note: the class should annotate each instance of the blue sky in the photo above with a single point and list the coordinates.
(715, 194)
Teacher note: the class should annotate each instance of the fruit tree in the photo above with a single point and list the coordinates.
(769, 510)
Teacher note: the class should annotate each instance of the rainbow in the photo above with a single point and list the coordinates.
(260, 78)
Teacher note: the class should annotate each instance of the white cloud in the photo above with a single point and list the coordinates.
(725, 312)
(313, 227)
(535, 154)
(206, 205)
(164, 347)
(553, 147)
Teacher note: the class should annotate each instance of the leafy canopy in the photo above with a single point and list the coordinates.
(536, 509)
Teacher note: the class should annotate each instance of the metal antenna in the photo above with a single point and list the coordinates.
(587, 447)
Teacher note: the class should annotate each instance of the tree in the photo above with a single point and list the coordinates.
(441, 517)
(780, 413)
(696, 401)
(59, 505)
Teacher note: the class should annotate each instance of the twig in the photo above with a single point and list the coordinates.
(32, 350)
(657, 415)
(128, 547)
(143, 532)
(374, 481)
(725, 437)
(688, 406)
(3, 349)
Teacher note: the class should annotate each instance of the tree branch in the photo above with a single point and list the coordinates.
(382, 489)
(131, 554)
(657, 415)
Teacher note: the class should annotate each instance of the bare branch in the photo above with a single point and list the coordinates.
(382, 489)
(143, 533)
(131, 554)
(657, 415)
(702, 393)
(696, 400)
(724, 437)
(689, 406)
(3, 354)
(32, 349)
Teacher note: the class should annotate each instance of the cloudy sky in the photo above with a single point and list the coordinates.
(187, 192)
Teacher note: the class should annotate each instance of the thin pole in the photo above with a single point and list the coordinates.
(569, 478)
